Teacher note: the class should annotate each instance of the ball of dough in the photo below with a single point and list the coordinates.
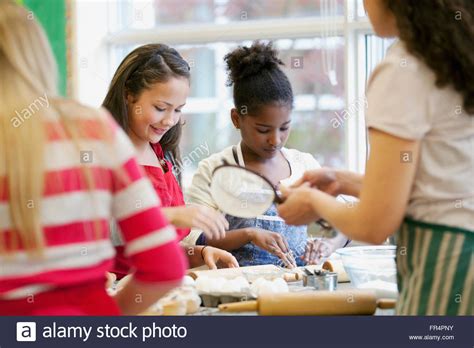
(188, 281)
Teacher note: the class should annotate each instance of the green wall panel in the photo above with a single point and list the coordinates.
(52, 16)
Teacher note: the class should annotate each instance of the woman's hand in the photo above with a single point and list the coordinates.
(274, 243)
(210, 221)
(324, 179)
(319, 249)
(332, 181)
(297, 208)
(214, 256)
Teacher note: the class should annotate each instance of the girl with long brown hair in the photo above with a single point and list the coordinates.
(146, 96)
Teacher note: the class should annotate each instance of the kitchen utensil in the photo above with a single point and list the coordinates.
(244, 193)
(335, 265)
(357, 302)
(320, 280)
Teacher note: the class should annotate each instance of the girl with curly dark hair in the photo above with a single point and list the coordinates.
(420, 171)
(263, 103)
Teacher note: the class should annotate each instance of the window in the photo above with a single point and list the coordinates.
(327, 46)
(147, 14)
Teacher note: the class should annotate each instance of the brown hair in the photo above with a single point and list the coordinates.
(441, 33)
(140, 69)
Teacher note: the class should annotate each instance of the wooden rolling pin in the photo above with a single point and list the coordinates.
(356, 302)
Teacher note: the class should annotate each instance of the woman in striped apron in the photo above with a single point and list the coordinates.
(419, 176)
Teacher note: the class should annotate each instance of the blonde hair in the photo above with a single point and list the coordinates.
(28, 71)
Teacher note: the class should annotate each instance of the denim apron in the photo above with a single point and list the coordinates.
(251, 255)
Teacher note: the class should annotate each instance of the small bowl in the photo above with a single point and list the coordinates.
(372, 267)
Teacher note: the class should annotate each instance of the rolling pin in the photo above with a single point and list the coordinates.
(356, 302)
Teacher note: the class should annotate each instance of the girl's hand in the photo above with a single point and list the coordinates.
(274, 243)
(212, 256)
(297, 208)
(210, 221)
(319, 249)
(120, 284)
(110, 279)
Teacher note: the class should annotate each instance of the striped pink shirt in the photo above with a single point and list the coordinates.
(75, 252)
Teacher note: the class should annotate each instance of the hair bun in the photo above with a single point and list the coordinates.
(247, 61)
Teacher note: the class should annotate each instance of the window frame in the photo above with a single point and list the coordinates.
(350, 26)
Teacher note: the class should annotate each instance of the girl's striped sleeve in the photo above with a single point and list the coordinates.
(150, 241)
